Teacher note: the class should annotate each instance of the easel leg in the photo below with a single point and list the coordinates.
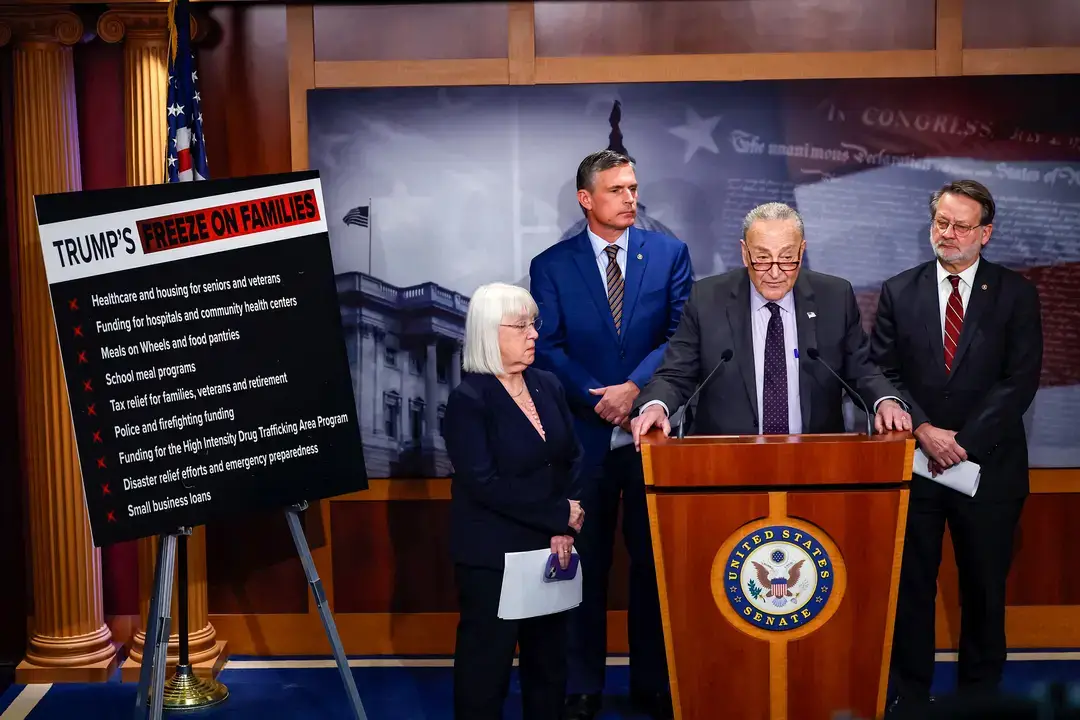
(302, 548)
(156, 649)
(150, 645)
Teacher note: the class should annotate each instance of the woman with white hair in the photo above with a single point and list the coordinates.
(510, 437)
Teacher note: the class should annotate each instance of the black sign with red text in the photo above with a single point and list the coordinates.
(202, 348)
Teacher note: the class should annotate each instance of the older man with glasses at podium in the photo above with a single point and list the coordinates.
(785, 337)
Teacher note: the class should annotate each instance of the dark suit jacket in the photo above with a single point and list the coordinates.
(717, 318)
(995, 370)
(510, 487)
(578, 341)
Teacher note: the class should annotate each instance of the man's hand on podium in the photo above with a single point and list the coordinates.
(652, 416)
(890, 416)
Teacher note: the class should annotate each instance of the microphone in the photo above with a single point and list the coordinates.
(681, 412)
(813, 354)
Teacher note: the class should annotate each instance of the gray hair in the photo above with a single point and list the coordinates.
(489, 306)
(773, 211)
(972, 189)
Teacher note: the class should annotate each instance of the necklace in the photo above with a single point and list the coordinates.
(512, 394)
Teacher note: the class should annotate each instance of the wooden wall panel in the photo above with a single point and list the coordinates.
(244, 82)
(1021, 24)
(392, 557)
(252, 566)
(659, 27)
(411, 32)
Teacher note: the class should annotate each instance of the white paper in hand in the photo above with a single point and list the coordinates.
(963, 477)
(526, 595)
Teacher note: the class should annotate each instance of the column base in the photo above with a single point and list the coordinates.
(28, 673)
(208, 667)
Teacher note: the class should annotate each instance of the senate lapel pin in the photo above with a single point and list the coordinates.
(640, 256)
(984, 286)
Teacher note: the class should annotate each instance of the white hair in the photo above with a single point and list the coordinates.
(772, 211)
(489, 307)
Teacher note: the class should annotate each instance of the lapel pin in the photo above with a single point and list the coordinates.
(811, 315)
(984, 286)
(640, 256)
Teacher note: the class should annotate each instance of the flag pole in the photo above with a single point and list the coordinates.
(184, 690)
(370, 217)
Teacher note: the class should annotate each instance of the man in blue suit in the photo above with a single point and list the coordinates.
(609, 299)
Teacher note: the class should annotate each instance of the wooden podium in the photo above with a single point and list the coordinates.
(778, 563)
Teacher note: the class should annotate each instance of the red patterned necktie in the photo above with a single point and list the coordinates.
(954, 322)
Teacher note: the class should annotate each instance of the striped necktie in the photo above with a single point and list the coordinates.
(614, 285)
(954, 322)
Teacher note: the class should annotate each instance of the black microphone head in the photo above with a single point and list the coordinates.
(726, 355)
(812, 353)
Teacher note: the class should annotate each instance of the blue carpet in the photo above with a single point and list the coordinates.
(418, 693)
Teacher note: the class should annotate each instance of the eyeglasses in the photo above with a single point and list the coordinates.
(524, 327)
(786, 266)
(959, 229)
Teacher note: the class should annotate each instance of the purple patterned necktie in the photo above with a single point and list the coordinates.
(774, 394)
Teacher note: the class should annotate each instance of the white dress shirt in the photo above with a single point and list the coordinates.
(619, 437)
(759, 318)
(967, 280)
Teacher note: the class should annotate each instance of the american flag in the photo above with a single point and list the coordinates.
(357, 216)
(185, 153)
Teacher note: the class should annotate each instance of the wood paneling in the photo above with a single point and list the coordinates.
(410, 73)
(1023, 61)
(244, 82)
(662, 27)
(392, 557)
(252, 565)
(863, 527)
(1040, 572)
(1021, 24)
(746, 66)
(425, 31)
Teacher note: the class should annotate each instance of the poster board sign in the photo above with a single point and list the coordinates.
(202, 349)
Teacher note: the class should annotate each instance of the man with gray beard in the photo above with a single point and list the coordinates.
(960, 338)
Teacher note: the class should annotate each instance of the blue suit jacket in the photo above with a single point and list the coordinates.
(578, 341)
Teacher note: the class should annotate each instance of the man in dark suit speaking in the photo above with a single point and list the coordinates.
(773, 320)
(961, 339)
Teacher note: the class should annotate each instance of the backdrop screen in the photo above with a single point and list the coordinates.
(431, 192)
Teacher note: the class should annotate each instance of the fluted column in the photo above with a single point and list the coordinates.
(70, 640)
(455, 366)
(144, 31)
(431, 392)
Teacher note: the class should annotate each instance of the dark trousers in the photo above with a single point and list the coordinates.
(621, 473)
(982, 535)
(484, 655)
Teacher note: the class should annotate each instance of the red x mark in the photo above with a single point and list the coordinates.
(97, 436)
(90, 409)
(82, 357)
(105, 489)
(73, 304)
(111, 517)
(78, 331)
(101, 462)
(87, 386)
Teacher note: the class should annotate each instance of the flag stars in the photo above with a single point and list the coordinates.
(194, 75)
(176, 109)
(172, 158)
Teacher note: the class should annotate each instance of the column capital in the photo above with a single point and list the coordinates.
(141, 21)
(40, 24)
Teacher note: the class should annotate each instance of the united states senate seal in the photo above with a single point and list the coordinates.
(779, 577)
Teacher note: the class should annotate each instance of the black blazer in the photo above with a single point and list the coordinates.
(510, 488)
(995, 371)
(717, 318)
